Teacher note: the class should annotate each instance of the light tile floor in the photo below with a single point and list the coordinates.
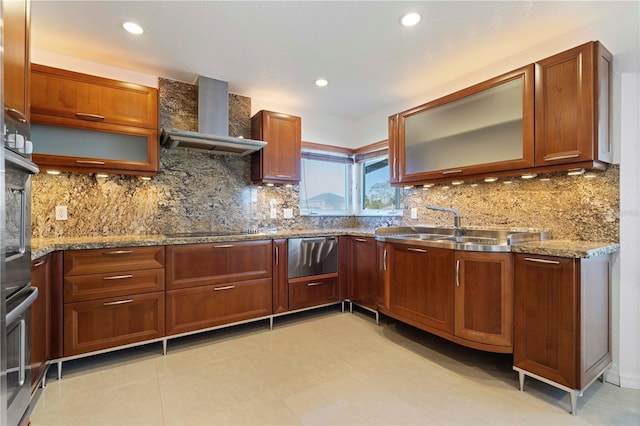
(322, 367)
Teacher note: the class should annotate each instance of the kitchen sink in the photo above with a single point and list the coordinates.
(458, 238)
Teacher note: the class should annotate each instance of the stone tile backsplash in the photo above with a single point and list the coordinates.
(204, 192)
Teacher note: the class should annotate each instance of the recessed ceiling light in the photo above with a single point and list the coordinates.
(411, 19)
(321, 82)
(132, 27)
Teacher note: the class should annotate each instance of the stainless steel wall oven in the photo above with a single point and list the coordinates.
(15, 285)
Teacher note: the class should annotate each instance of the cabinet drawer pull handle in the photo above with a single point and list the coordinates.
(314, 283)
(18, 115)
(118, 277)
(283, 176)
(40, 263)
(227, 287)
(120, 252)
(89, 117)
(384, 260)
(561, 157)
(550, 262)
(92, 162)
(223, 246)
(417, 250)
(277, 256)
(448, 172)
(458, 273)
(360, 240)
(119, 302)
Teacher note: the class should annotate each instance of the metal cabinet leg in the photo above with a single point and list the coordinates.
(59, 370)
(377, 318)
(164, 347)
(350, 307)
(521, 380)
(270, 323)
(574, 402)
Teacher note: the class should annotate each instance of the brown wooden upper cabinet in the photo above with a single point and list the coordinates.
(484, 128)
(549, 116)
(573, 107)
(279, 160)
(92, 124)
(15, 33)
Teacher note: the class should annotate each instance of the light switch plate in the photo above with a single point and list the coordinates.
(414, 212)
(288, 213)
(61, 212)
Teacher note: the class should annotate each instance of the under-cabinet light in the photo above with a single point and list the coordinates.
(271, 184)
(427, 185)
(133, 28)
(575, 172)
(102, 175)
(408, 187)
(545, 179)
(529, 176)
(53, 172)
(145, 178)
(590, 175)
(507, 182)
(490, 179)
(411, 19)
(457, 182)
(474, 185)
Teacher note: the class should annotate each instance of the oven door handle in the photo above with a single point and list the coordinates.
(22, 357)
(15, 313)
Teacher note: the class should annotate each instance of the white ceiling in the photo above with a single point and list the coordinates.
(276, 50)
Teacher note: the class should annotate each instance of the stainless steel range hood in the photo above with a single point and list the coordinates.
(213, 125)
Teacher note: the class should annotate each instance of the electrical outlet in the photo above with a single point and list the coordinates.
(414, 213)
(273, 213)
(61, 212)
(288, 213)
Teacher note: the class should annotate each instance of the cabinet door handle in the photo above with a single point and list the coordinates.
(384, 260)
(561, 157)
(277, 256)
(18, 115)
(360, 240)
(549, 262)
(227, 287)
(458, 273)
(89, 117)
(119, 302)
(120, 252)
(314, 283)
(448, 172)
(118, 277)
(91, 162)
(416, 250)
(223, 246)
(283, 176)
(39, 263)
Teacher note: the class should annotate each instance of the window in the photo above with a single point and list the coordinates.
(325, 187)
(377, 192)
(343, 184)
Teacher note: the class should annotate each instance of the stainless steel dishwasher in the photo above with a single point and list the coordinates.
(312, 256)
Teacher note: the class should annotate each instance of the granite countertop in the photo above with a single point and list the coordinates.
(42, 246)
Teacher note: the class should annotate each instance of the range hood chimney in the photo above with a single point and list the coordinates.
(213, 124)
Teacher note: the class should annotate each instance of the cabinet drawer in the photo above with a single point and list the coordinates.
(312, 292)
(98, 286)
(106, 323)
(205, 264)
(102, 261)
(86, 98)
(202, 307)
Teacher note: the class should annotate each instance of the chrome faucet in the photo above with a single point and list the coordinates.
(456, 214)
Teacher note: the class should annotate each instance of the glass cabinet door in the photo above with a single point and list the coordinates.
(487, 127)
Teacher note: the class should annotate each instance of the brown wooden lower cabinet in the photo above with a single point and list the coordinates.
(562, 320)
(100, 324)
(484, 300)
(362, 272)
(40, 318)
(202, 307)
(78, 288)
(313, 291)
